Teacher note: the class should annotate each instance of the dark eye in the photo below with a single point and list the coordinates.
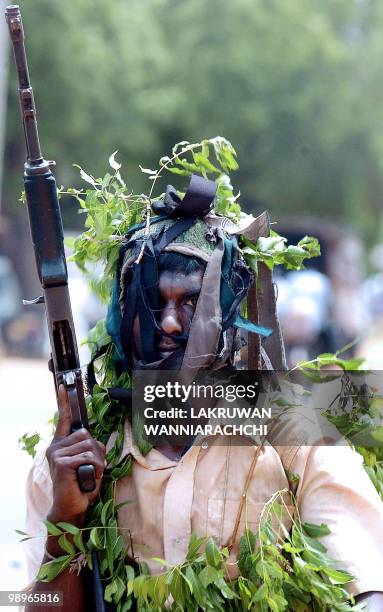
(191, 301)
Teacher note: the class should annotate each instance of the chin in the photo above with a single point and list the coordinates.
(169, 360)
(172, 360)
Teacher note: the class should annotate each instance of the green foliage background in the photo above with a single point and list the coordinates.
(296, 85)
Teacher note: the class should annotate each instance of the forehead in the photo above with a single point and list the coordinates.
(176, 284)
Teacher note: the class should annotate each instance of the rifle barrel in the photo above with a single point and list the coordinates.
(27, 102)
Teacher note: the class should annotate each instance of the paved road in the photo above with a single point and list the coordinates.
(27, 403)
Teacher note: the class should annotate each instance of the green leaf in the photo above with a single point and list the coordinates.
(338, 576)
(121, 589)
(98, 336)
(66, 545)
(188, 582)
(94, 538)
(106, 512)
(122, 469)
(316, 531)
(316, 560)
(213, 556)
(160, 561)
(313, 544)
(208, 575)
(261, 593)
(291, 549)
(179, 171)
(23, 533)
(176, 581)
(52, 529)
(224, 588)
(110, 590)
(196, 586)
(125, 606)
(49, 571)
(273, 243)
(129, 572)
(68, 527)
(77, 540)
(277, 602)
(160, 589)
(138, 584)
(109, 545)
(29, 442)
(119, 547)
(194, 546)
(201, 160)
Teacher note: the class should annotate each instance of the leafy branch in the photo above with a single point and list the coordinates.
(277, 574)
(111, 209)
(273, 251)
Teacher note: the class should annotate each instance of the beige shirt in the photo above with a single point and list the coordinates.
(203, 490)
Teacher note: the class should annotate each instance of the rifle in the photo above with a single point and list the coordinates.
(48, 243)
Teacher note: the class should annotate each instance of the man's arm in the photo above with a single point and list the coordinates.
(65, 454)
(335, 489)
(68, 582)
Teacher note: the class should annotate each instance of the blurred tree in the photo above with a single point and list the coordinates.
(294, 85)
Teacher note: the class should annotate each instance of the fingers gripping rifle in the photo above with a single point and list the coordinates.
(48, 243)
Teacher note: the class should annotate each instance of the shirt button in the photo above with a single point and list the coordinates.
(204, 445)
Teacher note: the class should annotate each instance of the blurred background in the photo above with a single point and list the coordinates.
(295, 85)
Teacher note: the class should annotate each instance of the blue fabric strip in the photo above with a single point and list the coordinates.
(243, 323)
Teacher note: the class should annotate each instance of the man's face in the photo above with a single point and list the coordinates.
(178, 295)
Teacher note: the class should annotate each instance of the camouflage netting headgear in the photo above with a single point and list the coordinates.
(188, 227)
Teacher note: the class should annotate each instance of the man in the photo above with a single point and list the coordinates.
(180, 282)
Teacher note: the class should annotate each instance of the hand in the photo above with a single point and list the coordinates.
(66, 452)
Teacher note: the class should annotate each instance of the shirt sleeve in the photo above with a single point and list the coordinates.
(39, 499)
(335, 489)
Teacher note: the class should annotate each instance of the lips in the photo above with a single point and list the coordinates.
(168, 346)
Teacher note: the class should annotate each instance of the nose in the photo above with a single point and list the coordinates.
(170, 321)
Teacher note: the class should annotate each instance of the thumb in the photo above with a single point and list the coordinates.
(65, 418)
